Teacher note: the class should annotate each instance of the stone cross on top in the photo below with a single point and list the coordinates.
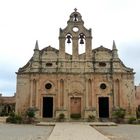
(75, 9)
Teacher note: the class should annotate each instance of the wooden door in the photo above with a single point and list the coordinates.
(75, 103)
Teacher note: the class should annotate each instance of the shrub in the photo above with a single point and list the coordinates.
(91, 118)
(30, 115)
(31, 112)
(131, 120)
(76, 116)
(61, 117)
(14, 118)
(138, 120)
(138, 111)
(118, 114)
(3, 113)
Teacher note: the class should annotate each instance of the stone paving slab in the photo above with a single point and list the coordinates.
(75, 131)
(121, 132)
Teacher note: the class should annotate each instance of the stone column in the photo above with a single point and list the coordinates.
(93, 94)
(75, 48)
(94, 98)
(61, 48)
(87, 98)
(88, 48)
(90, 93)
(31, 93)
(62, 93)
(119, 93)
(114, 99)
(37, 96)
(58, 96)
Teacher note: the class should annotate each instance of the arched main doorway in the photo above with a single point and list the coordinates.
(75, 107)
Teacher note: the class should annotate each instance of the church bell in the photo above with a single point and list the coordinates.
(81, 38)
(81, 41)
(69, 39)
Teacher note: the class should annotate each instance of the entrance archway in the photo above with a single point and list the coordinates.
(103, 107)
(48, 107)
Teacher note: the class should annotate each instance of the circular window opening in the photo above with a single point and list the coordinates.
(103, 86)
(48, 86)
(75, 29)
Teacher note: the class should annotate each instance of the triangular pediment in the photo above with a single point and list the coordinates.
(102, 48)
(49, 48)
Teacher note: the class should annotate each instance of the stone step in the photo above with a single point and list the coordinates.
(46, 124)
(87, 123)
(3, 119)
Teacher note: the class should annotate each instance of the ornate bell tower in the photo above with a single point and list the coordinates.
(77, 34)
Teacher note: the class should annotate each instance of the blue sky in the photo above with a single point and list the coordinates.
(22, 22)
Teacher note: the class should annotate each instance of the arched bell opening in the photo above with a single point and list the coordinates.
(68, 44)
(75, 17)
(81, 43)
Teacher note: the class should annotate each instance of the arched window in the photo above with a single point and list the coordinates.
(75, 17)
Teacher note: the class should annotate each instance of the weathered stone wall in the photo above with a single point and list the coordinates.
(75, 80)
(23, 93)
(7, 104)
(137, 89)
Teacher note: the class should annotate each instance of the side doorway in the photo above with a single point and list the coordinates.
(103, 107)
(47, 107)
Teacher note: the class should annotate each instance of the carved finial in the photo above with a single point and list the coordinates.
(75, 9)
(36, 45)
(114, 45)
(114, 48)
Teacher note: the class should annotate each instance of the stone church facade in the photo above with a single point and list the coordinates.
(92, 83)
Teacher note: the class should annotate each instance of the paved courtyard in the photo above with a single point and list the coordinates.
(68, 131)
(24, 132)
(121, 132)
(75, 131)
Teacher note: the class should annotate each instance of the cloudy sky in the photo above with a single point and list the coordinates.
(22, 22)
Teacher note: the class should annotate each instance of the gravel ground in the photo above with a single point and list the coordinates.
(24, 132)
(121, 132)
